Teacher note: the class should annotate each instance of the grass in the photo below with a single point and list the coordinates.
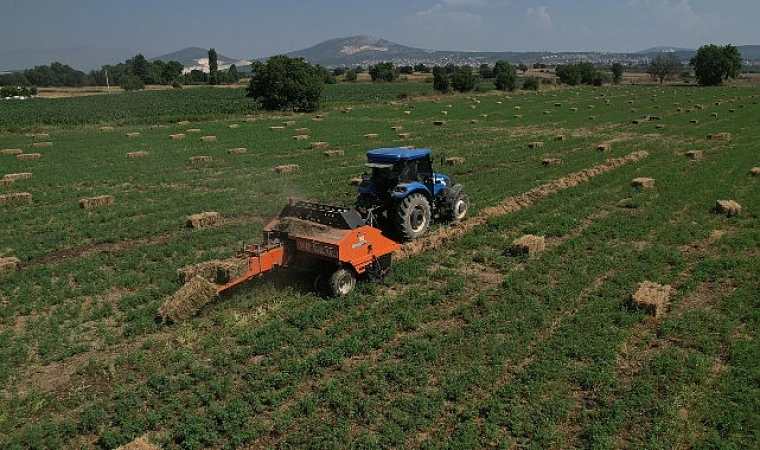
(464, 346)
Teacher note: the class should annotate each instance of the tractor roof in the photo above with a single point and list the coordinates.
(390, 155)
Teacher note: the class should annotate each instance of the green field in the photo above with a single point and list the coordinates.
(464, 346)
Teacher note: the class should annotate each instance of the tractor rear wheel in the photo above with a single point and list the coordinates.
(341, 282)
(413, 217)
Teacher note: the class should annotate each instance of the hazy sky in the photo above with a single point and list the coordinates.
(260, 28)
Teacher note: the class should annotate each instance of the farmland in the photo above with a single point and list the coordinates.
(464, 346)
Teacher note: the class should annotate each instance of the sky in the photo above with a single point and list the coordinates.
(259, 28)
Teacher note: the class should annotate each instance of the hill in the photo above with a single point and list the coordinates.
(197, 58)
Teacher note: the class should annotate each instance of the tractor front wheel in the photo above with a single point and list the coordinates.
(458, 206)
(341, 282)
(413, 217)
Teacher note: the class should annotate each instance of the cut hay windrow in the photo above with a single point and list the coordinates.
(42, 144)
(334, 153)
(237, 151)
(208, 138)
(318, 145)
(288, 168)
(219, 271)
(200, 159)
(16, 197)
(8, 266)
(18, 176)
(100, 200)
(187, 301)
(27, 156)
(4, 182)
(642, 182)
(175, 137)
(11, 151)
(139, 154)
(301, 137)
(528, 245)
(729, 208)
(455, 161)
(457, 229)
(204, 220)
(133, 134)
(653, 298)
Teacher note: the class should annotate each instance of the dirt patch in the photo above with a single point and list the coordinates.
(703, 297)
(187, 301)
(512, 204)
(652, 298)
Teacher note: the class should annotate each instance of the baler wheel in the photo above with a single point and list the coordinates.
(342, 282)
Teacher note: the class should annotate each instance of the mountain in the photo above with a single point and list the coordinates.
(80, 58)
(196, 58)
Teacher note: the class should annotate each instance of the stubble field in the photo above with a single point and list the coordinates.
(464, 346)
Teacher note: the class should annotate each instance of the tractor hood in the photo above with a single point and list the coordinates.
(392, 155)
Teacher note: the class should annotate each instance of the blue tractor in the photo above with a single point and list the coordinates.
(402, 195)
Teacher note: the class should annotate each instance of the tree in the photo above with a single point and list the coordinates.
(132, 83)
(213, 67)
(286, 84)
(617, 73)
(351, 76)
(714, 64)
(441, 82)
(406, 70)
(505, 76)
(530, 84)
(422, 68)
(463, 79)
(327, 76)
(522, 67)
(485, 71)
(139, 67)
(382, 72)
(569, 74)
(664, 67)
(233, 73)
(588, 72)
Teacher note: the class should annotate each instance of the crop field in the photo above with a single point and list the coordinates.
(465, 345)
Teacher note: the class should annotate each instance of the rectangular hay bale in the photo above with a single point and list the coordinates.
(208, 138)
(288, 168)
(16, 197)
(334, 153)
(551, 162)
(8, 266)
(728, 207)
(653, 298)
(6, 182)
(42, 144)
(537, 144)
(133, 134)
(204, 220)
(18, 176)
(371, 136)
(301, 137)
(26, 156)
(318, 145)
(643, 182)
(11, 151)
(176, 137)
(200, 159)
(139, 154)
(237, 151)
(101, 200)
(455, 161)
(302, 130)
(528, 244)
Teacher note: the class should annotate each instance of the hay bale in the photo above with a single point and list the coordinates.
(455, 161)
(301, 137)
(133, 134)
(591, 106)
(546, 111)
(139, 154)
(287, 168)
(233, 126)
(517, 108)
(42, 144)
(397, 128)
(655, 118)
(28, 156)
(528, 244)
(302, 130)
(653, 298)
(183, 122)
(140, 443)
(101, 200)
(719, 137)
(204, 220)
(694, 121)
(356, 181)
(18, 176)
(237, 151)
(558, 105)
(193, 130)
(486, 115)
(289, 123)
(642, 182)
(605, 147)
(318, 145)
(755, 172)
(407, 112)
(40, 136)
(499, 103)
(11, 151)
(404, 135)
(636, 121)
(334, 153)
(187, 301)
(659, 126)
(249, 119)
(518, 116)
(8, 266)
(16, 197)
(215, 271)
(208, 138)
(106, 128)
(176, 136)
(551, 162)
(6, 182)
(591, 117)
(439, 123)
(157, 127)
(732, 110)
(299, 226)
(560, 137)
(371, 136)
(695, 155)
(474, 121)
(714, 114)
(200, 159)
(537, 144)
(728, 207)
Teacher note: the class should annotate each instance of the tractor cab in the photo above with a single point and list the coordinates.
(403, 193)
